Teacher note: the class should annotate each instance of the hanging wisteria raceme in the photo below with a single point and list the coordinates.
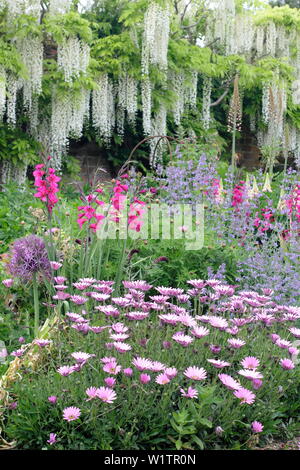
(190, 93)
(31, 52)
(103, 108)
(18, 174)
(260, 36)
(266, 103)
(34, 116)
(13, 84)
(147, 105)
(59, 6)
(73, 57)
(159, 128)
(79, 112)
(61, 112)
(206, 101)
(185, 92)
(2, 92)
(221, 25)
(244, 34)
(6, 168)
(155, 37)
(271, 37)
(19, 7)
(127, 97)
(67, 119)
(177, 80)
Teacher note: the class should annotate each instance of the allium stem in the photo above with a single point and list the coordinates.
(36, 305)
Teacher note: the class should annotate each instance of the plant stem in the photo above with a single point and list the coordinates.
(36, 306)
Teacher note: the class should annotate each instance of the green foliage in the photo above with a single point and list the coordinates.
(71, 24)
(17, 146)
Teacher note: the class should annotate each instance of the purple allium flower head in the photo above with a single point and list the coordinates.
(29, 257)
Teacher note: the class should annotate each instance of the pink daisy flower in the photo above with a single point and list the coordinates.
(112, 368)
(52, 399)
(8, 282)
(18, 353)
(121, 347)
(250, 362)
(251, 374)
(128, 372)
(191, 393)
(78, 299)
(218, 364)
(218, 322)
(81, 285)
(200, 331)
(157, 366)
(91, 393)
(107, 359)
(141, 363)
(236, 343)
(171, 372)
(229, 382)
(137, 315)
(195, 373)
(295, 332)
(52, 438)
(169, 318)
(106, 394)
(245, 396)
(42, 343)
(65, 370)
(110, 381)
(71, 413)
(119, 328)
(182, 339)
(162, 379)
(287, 364)
(197, 283)
(257, 427)
(257, 383)
(145, 378)
(81, 357)
(55, 265)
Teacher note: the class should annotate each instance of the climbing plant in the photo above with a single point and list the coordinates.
(149, 67)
